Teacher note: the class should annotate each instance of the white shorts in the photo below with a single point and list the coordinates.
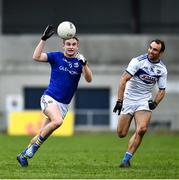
(130, 107)
(46, 100)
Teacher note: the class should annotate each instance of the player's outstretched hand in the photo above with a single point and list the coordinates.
(81, 58)
(49, 31)
(118, 107)
(152, 104)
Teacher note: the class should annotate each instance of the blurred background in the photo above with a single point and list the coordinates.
(111, 33)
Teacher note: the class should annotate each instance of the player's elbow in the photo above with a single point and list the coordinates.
(39, 57)
(89, 80)
(121, 133)
(35, 58)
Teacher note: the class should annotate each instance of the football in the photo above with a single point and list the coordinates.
(66, 30)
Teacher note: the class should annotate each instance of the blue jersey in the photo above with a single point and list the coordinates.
(65, 75)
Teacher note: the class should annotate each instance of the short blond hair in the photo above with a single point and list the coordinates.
(75, 37)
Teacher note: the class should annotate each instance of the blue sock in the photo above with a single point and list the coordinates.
(23, 153)
(40, 140)
(127, 157)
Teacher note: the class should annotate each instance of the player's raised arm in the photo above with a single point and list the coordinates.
(38, 53)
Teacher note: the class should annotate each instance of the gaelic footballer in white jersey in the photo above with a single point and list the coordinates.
(145, 74)
(135, 99)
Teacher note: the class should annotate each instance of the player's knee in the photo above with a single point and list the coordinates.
(141, 131)
(121, 134)
(57, 123)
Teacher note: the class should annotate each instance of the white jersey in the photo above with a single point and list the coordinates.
(145, 75)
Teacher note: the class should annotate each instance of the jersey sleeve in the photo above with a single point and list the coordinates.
(162, 81)
(133, 66)
(50, 56)
(54, 56)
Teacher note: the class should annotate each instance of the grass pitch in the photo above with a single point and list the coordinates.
(92, 155)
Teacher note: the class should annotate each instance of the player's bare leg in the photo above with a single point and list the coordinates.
(122, 130)
(34, 139)
(123, 124)
(53, 113)
(142, 119)
(53, 121)
(22, 159)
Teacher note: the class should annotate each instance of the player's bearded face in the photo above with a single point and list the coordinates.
(154, 51)
(70, 47)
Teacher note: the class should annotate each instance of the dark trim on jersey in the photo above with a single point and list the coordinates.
(145, 56)
(156, 62)
(162, 88)
(129, 73)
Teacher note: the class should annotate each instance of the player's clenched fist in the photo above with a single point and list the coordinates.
(81, 58)
(152, 104)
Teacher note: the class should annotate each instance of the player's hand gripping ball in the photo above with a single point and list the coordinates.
(66, 30)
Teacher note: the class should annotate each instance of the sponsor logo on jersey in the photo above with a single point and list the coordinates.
(62, 68)
(148, 79)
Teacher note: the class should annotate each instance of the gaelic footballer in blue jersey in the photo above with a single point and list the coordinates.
(135, 95)
(66, 70)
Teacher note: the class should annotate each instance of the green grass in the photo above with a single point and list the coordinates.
(92, 155)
